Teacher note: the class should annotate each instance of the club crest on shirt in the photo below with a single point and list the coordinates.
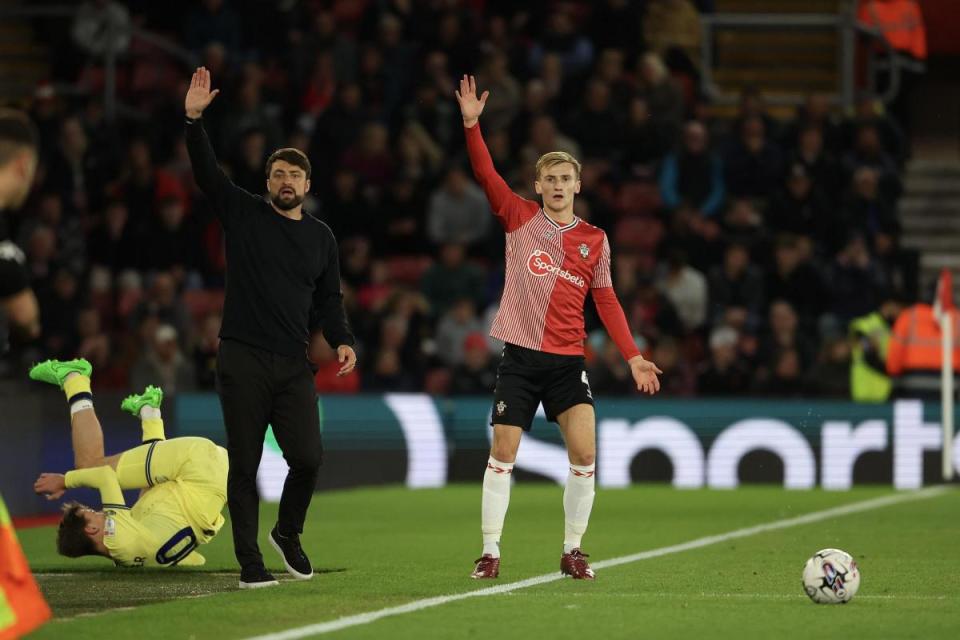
(584, 251)
(109, 527)
(501, 407)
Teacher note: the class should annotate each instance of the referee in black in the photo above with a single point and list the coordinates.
(283, 283)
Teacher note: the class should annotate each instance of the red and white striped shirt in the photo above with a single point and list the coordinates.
(550, 269)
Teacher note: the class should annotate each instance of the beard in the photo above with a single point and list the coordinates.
(286, 202)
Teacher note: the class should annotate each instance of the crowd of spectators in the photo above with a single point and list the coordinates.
(741, 247)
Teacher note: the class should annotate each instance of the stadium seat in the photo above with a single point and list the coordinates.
(407, 269)
(639, 234)
(202, 302)
(638, 199)
(437, 381)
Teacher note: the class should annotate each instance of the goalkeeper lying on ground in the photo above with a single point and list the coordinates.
(183, 482)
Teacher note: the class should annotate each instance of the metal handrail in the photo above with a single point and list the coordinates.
(847, 27)
(894, 63)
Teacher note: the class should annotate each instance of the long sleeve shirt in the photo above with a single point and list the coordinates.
(154, 533)
(550, 269)
(283, 275)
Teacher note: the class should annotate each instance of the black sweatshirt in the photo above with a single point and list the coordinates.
(283, 275)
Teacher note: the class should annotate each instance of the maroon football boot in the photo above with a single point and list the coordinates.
(574, 564)
(487, 567)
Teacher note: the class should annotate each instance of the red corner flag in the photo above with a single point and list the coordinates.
(22, 607)
(944, 296)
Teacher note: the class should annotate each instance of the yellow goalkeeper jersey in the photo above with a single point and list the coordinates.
(185, 482)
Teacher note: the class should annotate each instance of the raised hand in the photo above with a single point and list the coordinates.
(199, 95)
(645, 374)
(51, 485)
(470, 105)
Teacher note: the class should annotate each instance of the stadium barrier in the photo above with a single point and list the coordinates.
(427, 442)
(421, 441)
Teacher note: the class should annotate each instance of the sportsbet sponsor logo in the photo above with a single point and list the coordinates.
(540, 263)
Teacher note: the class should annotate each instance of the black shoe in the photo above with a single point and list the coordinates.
(294, 559)
(255, 577)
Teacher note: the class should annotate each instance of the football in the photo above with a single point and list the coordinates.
(831, 576)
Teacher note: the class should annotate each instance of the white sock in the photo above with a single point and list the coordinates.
(146, 412)
(496, 499)
(577, 504)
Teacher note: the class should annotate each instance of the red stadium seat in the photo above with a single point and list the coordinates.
(202, 302)
(638, 234)
(407, 269)
(638, 199)
(437, 381)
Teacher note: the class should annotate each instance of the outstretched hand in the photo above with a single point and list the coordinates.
(51, 485)
(199, 95)
(470, 105)
(645, 374)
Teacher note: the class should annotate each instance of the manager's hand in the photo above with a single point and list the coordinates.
(348, 357)
(199, 95)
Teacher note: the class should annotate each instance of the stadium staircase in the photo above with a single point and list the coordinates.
(777, 61)
(928, 211)
(24, 61)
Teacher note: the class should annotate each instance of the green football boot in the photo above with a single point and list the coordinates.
(56, 371)
(152, 396)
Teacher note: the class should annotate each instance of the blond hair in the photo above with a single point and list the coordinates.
(554, 158)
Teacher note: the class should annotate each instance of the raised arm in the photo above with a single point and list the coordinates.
(511, 209)
(103, 479)
(206, 171)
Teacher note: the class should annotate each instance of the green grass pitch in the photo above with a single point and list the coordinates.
(379, 548)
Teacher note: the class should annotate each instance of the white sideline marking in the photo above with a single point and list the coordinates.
(757, 596)
(418, 605)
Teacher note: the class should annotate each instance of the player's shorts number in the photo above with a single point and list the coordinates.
(176, 542)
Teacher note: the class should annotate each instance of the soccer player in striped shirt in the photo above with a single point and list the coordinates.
(183, 482)
(553, 259)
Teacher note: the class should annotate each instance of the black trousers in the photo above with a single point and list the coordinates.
(257, 388)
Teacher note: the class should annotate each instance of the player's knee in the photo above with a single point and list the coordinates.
(504, 452)
(583, 458)
(305, 460)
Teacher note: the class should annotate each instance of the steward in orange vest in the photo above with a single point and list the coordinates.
(901, 23)
(914, 356)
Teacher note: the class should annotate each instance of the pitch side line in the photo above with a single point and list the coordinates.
(426, 603)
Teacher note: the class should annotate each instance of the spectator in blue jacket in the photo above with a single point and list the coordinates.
(694, 174)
